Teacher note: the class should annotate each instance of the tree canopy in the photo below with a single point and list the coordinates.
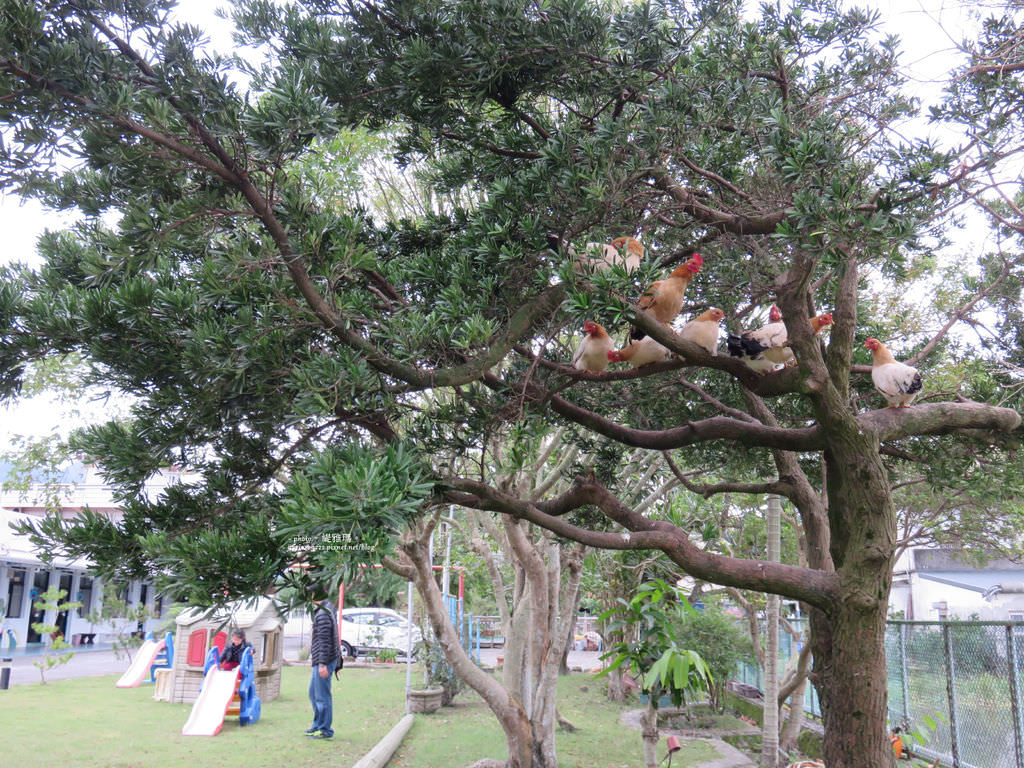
(337, 368)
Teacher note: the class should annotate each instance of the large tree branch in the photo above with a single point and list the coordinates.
(736, 223)
(816, 587)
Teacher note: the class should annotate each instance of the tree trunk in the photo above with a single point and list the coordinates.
(649, 730)
(794, 723)
(529, 740)
(849, 639)
(770, 728)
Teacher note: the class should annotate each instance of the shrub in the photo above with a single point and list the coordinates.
(720, 641)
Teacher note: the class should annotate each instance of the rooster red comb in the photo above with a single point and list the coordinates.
(774, 314)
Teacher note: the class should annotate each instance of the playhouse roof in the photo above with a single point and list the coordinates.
(242, 613)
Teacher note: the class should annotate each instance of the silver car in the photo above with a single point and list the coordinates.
(366, 630)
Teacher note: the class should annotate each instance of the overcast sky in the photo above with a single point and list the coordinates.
(929, 30)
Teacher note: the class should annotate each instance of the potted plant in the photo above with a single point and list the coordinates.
(386, 655)
(440, 685)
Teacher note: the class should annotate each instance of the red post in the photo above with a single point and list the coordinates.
(341, 602)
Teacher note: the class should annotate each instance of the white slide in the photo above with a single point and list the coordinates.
(140, 664)
(208, 712)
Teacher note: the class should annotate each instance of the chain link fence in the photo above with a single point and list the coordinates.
(955, 684)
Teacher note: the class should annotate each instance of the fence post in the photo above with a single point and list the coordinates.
(1018, 726)
(954, 735)
(902, 629)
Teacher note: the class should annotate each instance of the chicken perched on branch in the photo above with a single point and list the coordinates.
(897, 382)
(641, 352)
(703, 330)
(626, 251)
(664, 299)
(592, 353)
(597, 257)
(767, 347)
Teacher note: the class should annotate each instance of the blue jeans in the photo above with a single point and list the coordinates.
(320, 698)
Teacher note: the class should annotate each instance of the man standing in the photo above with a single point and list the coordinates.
(324, 657)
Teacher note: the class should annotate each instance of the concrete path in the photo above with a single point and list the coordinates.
(729, 756)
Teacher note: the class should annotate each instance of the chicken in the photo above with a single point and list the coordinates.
(703, 330)
(767, 347)
(641, 352)
(592, 353)
(599, 257)
(897, 382)
(664, 299)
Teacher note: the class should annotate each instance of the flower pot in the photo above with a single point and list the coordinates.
(425, 700)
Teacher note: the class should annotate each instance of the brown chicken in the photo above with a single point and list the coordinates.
(664, 299)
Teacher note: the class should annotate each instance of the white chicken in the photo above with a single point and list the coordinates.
(641, 352)
(592, 353)
(897, 382)
(601, 256)
(767, 347)
(703, 330)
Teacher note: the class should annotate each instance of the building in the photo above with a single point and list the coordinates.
(939, 584)
(23, 576)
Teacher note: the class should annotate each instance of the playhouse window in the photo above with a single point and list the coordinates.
(269, 648)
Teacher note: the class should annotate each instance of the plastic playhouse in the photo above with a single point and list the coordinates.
(199, 631)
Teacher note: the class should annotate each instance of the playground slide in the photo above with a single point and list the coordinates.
(140, 664)
(214, 699)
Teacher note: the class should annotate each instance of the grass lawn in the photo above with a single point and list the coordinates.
(88, 723)
(471, 733)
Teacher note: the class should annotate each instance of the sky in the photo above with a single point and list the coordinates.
(929, 30)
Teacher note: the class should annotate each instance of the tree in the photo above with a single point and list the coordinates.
(53, 600)
(650, 649)
(276, 341)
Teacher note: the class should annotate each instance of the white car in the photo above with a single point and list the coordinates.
(365, 630)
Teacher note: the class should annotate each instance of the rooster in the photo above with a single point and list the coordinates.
(592, 353)
(767, 347)
(664, 299)
(703, 330)
(897, 382)
(641, 352)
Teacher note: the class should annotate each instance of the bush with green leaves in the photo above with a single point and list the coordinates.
(720, 641)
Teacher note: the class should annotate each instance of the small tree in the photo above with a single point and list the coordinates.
(112, 607)
(51, 600)
(654, 655)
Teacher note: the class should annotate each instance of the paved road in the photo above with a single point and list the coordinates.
(93, 663)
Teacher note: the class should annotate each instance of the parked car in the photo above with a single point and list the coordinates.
(367, 630)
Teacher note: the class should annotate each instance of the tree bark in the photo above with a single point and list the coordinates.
(770, 727)
(649, 730)
(849, 639)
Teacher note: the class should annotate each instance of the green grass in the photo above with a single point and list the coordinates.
(470, 733)
(88, 723)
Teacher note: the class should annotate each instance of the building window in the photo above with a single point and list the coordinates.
(84, 595)
(15, 593)
(1016, 615)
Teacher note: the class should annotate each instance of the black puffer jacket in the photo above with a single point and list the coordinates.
(234, 652)
(324, 645)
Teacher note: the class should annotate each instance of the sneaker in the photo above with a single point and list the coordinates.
(324, 735)
(311, 731)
